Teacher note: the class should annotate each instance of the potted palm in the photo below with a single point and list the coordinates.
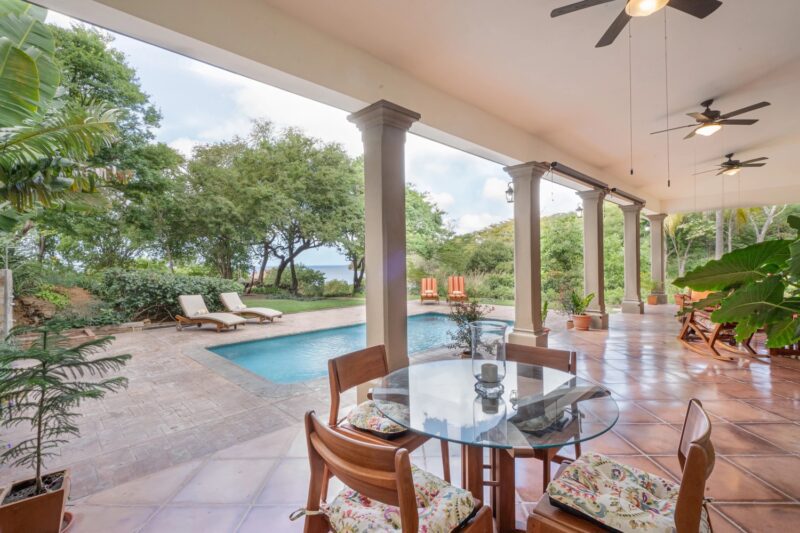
(577, 309)
(463, 313)
(41, 385)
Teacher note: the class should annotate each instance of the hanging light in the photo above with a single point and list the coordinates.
(510, 193)
(732, 171)
(579, 211)
(709, 129)
(643, 8)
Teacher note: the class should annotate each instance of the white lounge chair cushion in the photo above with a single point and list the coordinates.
(263, 311)
(618, 495)
(441, 507)
(229, 319)
(234, 304)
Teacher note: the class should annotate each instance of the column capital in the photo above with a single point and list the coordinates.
(657, 218)
(592, 194)
(632, 208)
(383, 113)
(532, 169)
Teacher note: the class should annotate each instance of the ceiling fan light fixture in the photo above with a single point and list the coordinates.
(643, 8)
(707, 130)
(732, 171)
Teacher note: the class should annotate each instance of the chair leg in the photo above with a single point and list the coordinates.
(546, 475)
(323, 493)
(463, 466)
(445, 460)
(577, 450)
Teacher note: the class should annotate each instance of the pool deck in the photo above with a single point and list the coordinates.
(184, 402)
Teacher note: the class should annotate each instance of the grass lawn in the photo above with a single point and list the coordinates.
(300, 306)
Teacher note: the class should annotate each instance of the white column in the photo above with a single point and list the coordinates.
(528, 327)
(383, 128)
(632, 300)
(593, 264)
(658, 256)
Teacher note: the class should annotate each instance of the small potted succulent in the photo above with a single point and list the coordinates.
(41, 385)
(577, 310)
(463, 313)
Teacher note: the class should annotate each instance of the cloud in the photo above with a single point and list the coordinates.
(473, 222)
(442, 199)
(495, 189)
(184, 145)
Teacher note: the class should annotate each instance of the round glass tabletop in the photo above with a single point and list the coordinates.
(540, 407)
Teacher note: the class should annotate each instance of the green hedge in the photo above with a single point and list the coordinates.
(144, 294)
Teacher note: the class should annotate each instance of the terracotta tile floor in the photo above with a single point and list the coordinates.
(254, 484)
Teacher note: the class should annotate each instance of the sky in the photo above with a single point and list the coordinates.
(202, 104)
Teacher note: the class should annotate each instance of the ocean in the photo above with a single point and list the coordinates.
(340, 272)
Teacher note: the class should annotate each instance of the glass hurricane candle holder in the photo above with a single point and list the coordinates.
(488, 343)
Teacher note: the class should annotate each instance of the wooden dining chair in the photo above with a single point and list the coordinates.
(383, 490)
(365, 421)
(675, 507)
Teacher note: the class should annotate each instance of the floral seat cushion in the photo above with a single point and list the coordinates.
(441, 508)
(617, 495)
(368, 417)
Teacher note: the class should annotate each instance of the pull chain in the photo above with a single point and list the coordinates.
(666, 93)
(630, 96)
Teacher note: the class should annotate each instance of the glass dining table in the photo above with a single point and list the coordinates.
(540, 408)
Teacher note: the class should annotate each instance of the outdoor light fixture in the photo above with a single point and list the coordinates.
(643, 8)
(510, 193)
(579, 211)
(732, 171)
(707, 130)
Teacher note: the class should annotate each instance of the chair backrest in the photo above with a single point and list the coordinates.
(381, 473)
(347, 371)
(192, 305)
(696, 457)
(696, 296)
(455, 284)
(231, 301)
(428, 284)
(563, 360)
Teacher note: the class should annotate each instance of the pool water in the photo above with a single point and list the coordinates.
(304, 356)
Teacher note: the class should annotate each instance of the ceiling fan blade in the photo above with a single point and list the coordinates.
(721, 172)
(675, 128)
(739, 121)
(745, 110)
(697, 8)
(577, 6)
(752, 164)
(691, 134)
(615, 29)
(699, 116)
(706, 171)
(757, 159)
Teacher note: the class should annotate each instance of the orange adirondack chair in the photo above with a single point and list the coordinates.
(455, 289)
(428, 290)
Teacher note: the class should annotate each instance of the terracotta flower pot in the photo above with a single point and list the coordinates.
(652, 299)
(582, 322)
(570, 323)
(36, 514)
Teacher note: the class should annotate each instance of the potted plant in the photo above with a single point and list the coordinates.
(578, 305)
(462, 313)
(652, 299)
(41, 385)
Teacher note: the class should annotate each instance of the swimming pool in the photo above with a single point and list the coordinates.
(304, 356)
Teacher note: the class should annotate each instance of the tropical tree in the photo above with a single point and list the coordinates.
(683, 230)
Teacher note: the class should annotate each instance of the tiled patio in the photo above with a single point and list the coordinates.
(254, 484)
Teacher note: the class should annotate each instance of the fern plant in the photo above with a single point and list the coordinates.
(44, 383)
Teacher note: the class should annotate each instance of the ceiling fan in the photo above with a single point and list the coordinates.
(731, 166)
(639, 8)
(710, 121)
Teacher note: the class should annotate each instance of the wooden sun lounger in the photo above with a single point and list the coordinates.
(234, 305)
(197, 314)
(428, 290)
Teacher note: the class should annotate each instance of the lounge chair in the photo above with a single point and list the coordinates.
(428, 290)
(196, 314)
(455, 289)
(234, 304)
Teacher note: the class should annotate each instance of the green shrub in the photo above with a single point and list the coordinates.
(143, 294)
(101, 315)
(272, 291)
(50, 294)
(337, 287)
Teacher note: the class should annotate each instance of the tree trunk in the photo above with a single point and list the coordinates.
(279, 271)
(42, 248)
(361, 267)
(263, 268)
(719, 242)
(293, 288)
(731, 226)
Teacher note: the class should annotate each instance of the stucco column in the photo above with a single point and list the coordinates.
(658, 257)
(383, 128)
(528, 327)
(632, 300)
(593, 264)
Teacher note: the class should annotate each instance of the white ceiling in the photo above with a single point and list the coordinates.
(545, 76)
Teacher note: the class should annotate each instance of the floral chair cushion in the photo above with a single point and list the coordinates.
(617, 495)
(441, 507)
(368, 417)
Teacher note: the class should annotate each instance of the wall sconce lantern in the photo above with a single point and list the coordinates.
(510, 193)
(579, 211)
